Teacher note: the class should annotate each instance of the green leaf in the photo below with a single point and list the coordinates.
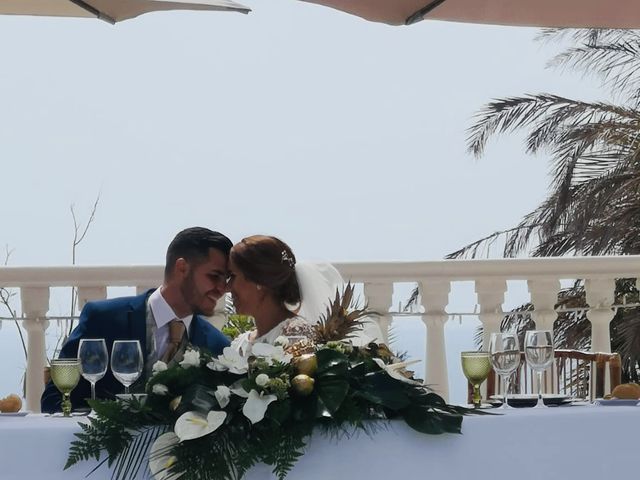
(425, 420)
(381, 389)
(331, 391)
(331, 362)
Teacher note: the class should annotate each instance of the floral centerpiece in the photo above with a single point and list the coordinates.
(215, 417)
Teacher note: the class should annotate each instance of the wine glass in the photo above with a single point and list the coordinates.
(65, 373)
(505, 358)
(94, 359)
(126, 362)
(476, 367)
(538, 350)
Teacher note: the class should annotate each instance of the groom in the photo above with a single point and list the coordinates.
(163, 320)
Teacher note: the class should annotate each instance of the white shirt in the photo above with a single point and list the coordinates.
(163, 314)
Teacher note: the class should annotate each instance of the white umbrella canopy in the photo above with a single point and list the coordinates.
(531, 13)
(111, 11)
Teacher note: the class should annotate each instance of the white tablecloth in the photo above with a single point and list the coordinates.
(586, 442)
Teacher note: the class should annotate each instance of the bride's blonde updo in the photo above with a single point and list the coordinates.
(269, 262)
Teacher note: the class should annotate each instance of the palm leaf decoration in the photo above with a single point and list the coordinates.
(593, 204)
(342, 319)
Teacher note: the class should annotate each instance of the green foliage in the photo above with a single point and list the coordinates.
(350, 391)
(238, 324)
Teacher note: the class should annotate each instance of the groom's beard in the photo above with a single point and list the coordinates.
(198, 301)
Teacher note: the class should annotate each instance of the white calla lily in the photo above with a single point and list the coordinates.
(239, 390)
(256, 406)
(192, 425)
(394, 370)
(222, 394)
(230, 360)
(190, 359)
(271, 353)
(160, 458)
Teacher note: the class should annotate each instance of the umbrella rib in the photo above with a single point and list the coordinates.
(93, 11)
(420, 14)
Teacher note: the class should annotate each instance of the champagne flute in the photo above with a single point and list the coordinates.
(126, 362)
(538, 350)
(476, 367)
(505, 358)
(94, 359)
(65, 373)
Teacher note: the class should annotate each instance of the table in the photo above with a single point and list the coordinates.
(587, 442)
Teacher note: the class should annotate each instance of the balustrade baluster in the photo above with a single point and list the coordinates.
(490, 293)
(544, 296)
(379, 297)
(435, 298)
(600, 294)
(88, 294)
(35, 304)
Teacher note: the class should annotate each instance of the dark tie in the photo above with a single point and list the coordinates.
(176, 333)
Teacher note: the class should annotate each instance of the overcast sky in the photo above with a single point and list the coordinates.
(344, 138)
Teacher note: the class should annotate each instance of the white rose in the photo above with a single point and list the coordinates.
(282, 341)
(160, 389)
(158, 367)
(262, 379)
(191, 359)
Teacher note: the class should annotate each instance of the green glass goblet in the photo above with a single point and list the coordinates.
(476, 367)
(65, 373)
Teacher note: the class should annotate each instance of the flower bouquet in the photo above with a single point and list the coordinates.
(216, 417)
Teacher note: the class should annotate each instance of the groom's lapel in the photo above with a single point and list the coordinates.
(138, 321)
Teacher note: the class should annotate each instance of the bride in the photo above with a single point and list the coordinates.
(282, 296)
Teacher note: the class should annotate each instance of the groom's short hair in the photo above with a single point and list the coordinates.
(193, 245)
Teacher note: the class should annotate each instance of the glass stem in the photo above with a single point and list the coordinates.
(93, 390)
(126, 389)
(476, 396)
(540, 401)
(505, 386)
(66, 405)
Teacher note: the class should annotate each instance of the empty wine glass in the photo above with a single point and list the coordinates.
(94, 360)
(505, 358)
(538, 350)
(476, 367)
(126, 362)
(65, 373)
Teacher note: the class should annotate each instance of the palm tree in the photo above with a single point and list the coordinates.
(593, 205)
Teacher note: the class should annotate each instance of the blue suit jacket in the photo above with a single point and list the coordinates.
(120, 319)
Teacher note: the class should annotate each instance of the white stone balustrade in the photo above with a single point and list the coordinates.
(542, 275)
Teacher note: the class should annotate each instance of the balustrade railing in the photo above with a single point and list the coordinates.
(434, 279)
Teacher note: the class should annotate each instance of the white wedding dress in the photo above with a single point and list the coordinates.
(318, 283)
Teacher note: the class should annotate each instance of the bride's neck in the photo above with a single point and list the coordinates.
(270, 317)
